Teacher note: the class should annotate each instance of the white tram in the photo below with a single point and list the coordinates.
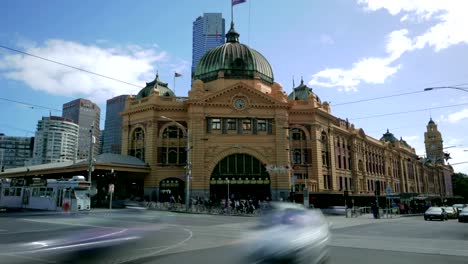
(46, 194)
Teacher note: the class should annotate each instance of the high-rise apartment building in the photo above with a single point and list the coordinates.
(112, 136)
(208, 32)
(15, 151)
(56, 140)
(86, 114)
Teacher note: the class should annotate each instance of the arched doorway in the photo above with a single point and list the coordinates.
(243, 176)
(171, 187)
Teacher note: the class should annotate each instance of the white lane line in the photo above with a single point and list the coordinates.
(31, 231)
(178, 244)
(63, 223)
(81, 244)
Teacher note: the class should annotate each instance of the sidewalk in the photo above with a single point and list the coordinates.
(340, 221)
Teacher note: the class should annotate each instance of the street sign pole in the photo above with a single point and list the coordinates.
(111, 192)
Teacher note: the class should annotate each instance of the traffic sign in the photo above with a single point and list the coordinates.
(111, 188)
(388, 190)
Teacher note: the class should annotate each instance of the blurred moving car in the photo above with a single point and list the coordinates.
(463, 215)
(435, 213)
(334, 210)
(289, 233)
(451, 212)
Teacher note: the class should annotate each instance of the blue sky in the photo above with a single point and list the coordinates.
(345, 50)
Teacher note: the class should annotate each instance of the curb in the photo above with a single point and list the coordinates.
(410, 215)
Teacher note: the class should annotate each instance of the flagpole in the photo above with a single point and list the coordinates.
(232, 13)
(174, 84)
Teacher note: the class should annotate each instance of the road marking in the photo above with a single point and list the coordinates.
(178, 244)
(63, 223)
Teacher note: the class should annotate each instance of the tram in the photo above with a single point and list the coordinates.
(46, 194)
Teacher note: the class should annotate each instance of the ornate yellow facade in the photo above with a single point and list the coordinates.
(295, 142)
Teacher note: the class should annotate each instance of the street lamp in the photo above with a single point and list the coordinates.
(446, 87)
(187, 166)
(227, 200)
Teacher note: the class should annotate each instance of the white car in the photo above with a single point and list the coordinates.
(289, 233)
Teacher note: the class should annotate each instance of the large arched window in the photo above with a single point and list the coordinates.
(173, 146)
(137, 145)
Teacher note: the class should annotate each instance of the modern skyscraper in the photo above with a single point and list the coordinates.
(86, 114)
(56, 140)
(208, 32)
(112, 136)
(15, 151)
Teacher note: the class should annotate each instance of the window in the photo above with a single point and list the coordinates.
(341, 183)
(231, 123)
(339, 161)
(297, 156)
(297, 134)
(261, 125)
(216, 124)
(246, 124)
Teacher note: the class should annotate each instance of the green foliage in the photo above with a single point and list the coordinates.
(460, 185)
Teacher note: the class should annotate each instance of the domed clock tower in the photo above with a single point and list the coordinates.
(433, 142)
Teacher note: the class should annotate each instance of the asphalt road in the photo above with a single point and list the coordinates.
(140, 236)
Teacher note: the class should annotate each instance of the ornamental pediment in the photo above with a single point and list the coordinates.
(240, 95)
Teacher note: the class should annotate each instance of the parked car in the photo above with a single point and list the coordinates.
(435, 213)
(459, 207)
(463, 215)
(289, 233)
(452, 213)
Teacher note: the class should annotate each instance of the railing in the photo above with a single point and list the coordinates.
(204, 209)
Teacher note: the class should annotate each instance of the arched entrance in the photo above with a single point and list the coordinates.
(243, 176)
(171, 187)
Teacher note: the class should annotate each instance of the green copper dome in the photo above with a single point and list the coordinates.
(389, 137)
(301, 92)
(155, 84)
(237, 60)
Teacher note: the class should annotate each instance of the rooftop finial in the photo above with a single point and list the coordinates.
(232, 35)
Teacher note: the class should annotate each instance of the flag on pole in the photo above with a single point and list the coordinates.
(236, 2)
(177, 75)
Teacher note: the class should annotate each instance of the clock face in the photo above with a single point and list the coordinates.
(239, 103)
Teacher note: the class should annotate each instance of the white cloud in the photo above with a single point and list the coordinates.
(370, 70)
(457, 116)
(449, 17)
(449, 29)
(459, 155)
(132, 64)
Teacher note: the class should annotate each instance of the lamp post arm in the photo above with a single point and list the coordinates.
(446, 87)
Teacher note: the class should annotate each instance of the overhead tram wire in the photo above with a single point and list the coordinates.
(389, 96)
(69, 66)
(30, 105)
(376, 98)
(407, 112)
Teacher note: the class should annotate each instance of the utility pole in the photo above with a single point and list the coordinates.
(90, 155)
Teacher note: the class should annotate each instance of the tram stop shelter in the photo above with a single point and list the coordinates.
(127, 173)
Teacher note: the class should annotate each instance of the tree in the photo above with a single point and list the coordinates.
(460, 185)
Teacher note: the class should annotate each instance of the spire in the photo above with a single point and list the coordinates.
(302, 81)
(232, 35)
